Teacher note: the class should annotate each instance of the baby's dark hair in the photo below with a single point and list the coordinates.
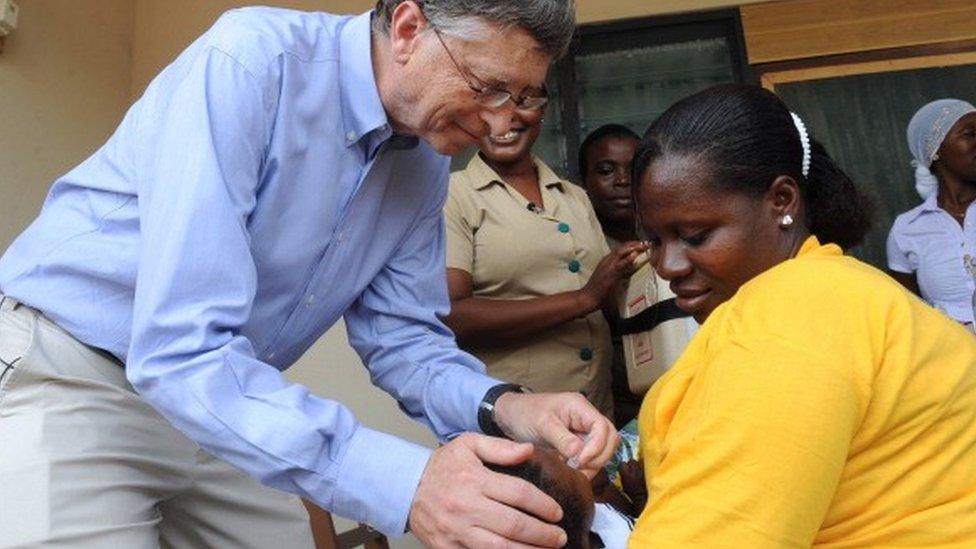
(595, 136)
(574, 521)
(747, 136)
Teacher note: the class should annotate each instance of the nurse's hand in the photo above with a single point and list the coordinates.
(614, 268)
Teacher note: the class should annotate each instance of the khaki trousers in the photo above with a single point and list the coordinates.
(85, 463)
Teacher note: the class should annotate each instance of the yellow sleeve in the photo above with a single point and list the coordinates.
(750, 448)
(459, 230)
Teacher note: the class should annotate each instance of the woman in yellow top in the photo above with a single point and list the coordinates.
(821, 404)
(528, 269)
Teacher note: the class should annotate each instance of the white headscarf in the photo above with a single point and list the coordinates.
(926, 132)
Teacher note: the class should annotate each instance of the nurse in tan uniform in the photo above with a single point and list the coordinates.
(528, 269)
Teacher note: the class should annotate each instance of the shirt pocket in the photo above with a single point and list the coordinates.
(498, 259)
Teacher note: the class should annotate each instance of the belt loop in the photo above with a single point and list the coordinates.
(8, 303)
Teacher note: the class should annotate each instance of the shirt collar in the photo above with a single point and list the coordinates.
(812, 247)
(547, 177)
(931, 204)
(362, 110)
(481, 175)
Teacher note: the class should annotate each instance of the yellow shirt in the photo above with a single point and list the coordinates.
(512, 252)
(823, 405)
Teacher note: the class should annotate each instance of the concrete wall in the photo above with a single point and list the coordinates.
(164, 27)
(64, 85)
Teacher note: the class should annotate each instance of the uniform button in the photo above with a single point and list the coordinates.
(563, 227)
(351, 136)
(586, 353)
(573, 266)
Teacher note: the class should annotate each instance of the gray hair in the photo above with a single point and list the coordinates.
(550, 22)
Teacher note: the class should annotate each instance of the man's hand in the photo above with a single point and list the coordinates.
(565, 421)
(462, 503)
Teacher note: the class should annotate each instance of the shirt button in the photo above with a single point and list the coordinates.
(351, 136)
(586, 353)
(310, 301)
(563, 228)
(271, 356)
(573, 266)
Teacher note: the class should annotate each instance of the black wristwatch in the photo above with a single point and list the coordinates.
(486, 408)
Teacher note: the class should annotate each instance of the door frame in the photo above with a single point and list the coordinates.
(900, 59)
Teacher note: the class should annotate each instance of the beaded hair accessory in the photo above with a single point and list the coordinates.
(801, 128)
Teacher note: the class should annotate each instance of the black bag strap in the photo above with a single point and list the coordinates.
(650, 318)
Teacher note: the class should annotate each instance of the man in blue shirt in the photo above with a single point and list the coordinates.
(285, 171)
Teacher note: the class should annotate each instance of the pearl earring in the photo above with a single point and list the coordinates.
(935, 157)
(786, 221)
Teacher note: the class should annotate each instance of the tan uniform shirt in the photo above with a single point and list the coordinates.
(513, 252)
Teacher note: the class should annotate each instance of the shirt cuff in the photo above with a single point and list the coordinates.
(377, 480)
(476, 388)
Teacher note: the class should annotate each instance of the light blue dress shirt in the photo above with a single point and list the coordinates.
(251, 197)
(929, 242)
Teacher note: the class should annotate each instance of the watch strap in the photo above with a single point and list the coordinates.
(486, 408)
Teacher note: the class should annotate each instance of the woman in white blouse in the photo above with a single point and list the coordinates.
(932, 247)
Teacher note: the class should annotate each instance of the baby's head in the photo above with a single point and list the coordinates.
(569, 487)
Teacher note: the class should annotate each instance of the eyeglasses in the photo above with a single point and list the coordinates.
(493, 98)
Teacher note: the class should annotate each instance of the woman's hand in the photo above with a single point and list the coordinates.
(616, 266)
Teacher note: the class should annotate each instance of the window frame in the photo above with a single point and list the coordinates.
(641, 32)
